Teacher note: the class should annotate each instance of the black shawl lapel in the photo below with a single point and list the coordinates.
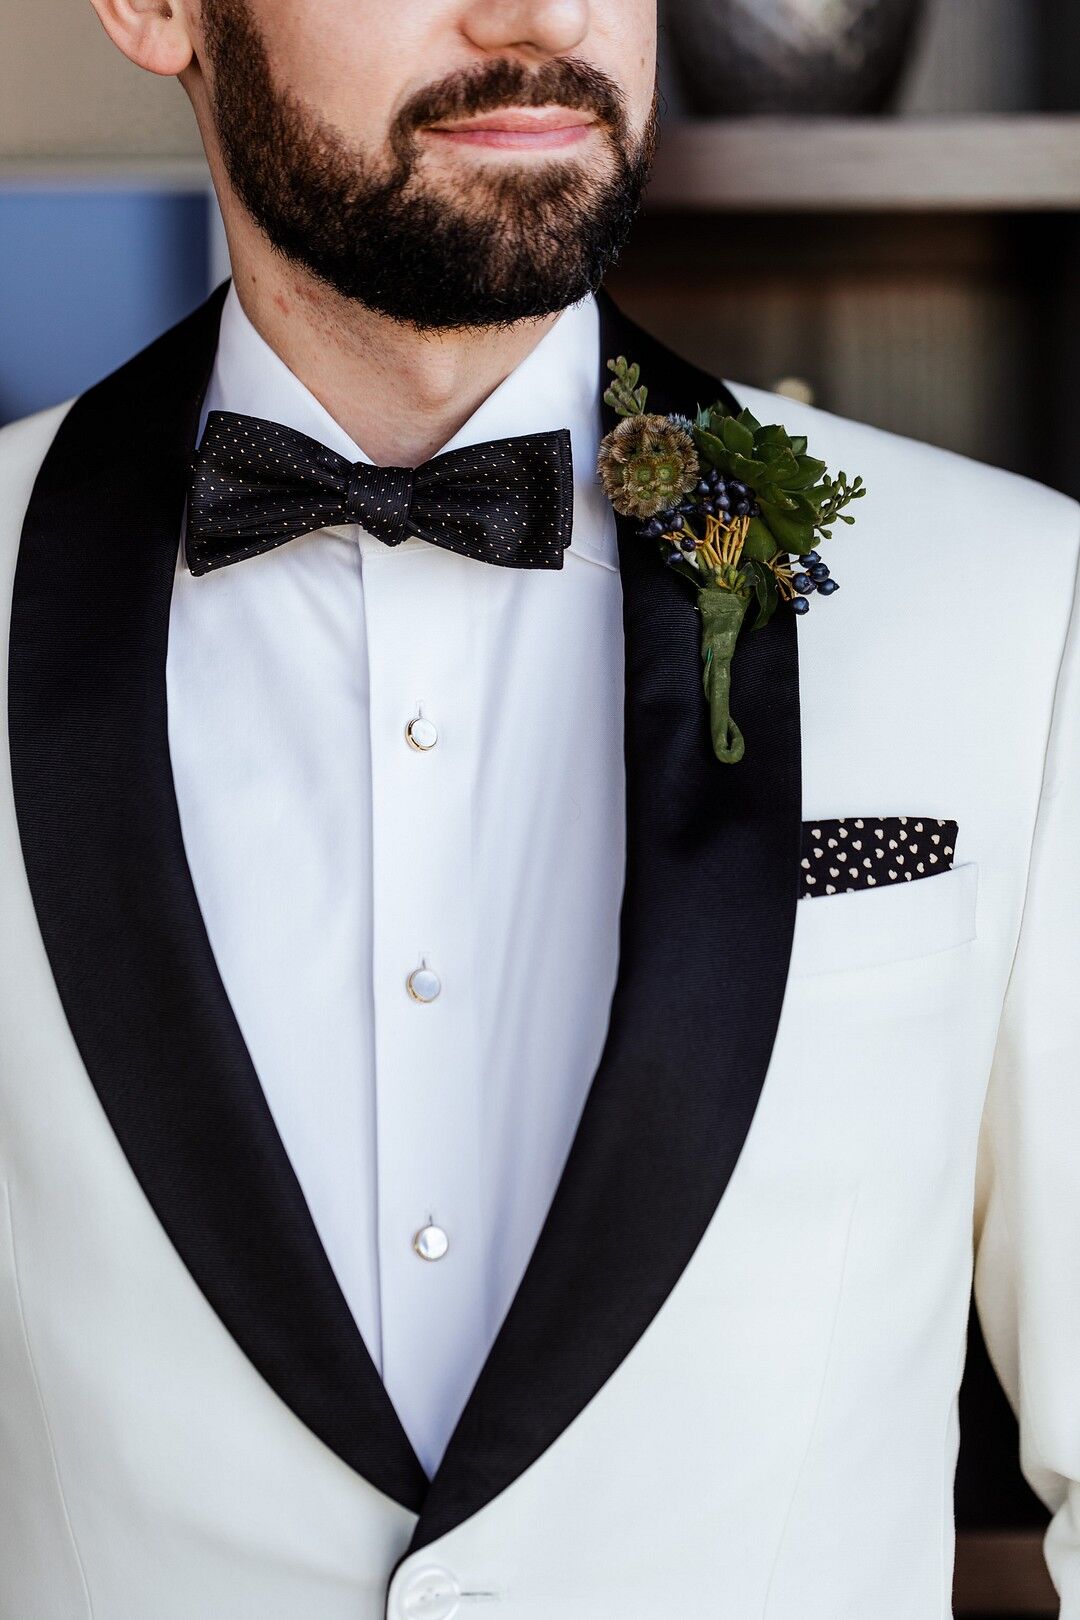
(117, 908)
(707, 922)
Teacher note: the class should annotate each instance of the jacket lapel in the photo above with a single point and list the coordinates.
(710, 897)
(117, 908)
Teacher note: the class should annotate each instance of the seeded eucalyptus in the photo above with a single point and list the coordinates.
(731, 503)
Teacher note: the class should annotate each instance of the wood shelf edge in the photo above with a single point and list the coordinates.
(104, 173)
(1004, 163)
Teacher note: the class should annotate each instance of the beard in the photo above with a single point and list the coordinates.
(500, 246)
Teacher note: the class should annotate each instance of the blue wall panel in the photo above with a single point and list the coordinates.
(87, 277)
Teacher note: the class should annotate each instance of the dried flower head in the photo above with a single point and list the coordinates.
(647, 464)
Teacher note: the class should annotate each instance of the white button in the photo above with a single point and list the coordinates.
(431, 1243)
(422, 734)
(423, 985)
(430, 1594)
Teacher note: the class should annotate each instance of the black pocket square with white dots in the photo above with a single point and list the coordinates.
(839, 857)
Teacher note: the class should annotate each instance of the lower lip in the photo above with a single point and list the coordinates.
(517, 140)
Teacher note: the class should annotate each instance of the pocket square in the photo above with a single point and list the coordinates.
(839, 857)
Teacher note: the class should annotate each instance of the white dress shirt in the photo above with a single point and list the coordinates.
(332, 859)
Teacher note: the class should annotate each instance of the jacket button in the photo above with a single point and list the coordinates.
(430, 1594)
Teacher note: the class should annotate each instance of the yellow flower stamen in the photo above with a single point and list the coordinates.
(719, 551)
(785, 580)
(724, 542)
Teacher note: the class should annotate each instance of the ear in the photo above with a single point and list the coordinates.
(154, 34)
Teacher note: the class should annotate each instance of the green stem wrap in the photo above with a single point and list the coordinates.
(722, 615)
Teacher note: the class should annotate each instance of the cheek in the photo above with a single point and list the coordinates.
(344, 60)
(625, 48)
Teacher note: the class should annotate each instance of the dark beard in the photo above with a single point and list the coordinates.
(512, 246)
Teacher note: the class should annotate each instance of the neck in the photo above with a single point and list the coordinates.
(400, 394)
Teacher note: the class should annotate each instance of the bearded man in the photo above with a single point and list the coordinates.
(467, 1148)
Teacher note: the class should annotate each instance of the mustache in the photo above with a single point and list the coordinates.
(493, 86)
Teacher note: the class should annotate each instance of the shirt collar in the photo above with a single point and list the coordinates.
(556, 386)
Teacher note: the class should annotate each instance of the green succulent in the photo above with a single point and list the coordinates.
(798, 499)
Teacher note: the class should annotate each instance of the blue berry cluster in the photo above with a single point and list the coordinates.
(724, 498)
(715, 496)
(815, 576)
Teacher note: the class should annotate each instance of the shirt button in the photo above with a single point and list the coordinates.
(422, 734)
(430, 1594)
(423, 985)
(431, 1243)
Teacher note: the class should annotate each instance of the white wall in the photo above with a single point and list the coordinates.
(65, 91)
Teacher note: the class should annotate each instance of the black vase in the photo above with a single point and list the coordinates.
(791, 56)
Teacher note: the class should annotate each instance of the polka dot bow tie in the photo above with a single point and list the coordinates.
(256, 485)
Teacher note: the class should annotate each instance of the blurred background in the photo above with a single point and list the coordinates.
(874, 204)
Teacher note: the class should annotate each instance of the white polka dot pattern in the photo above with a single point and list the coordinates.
(871, 852)
(256, 485)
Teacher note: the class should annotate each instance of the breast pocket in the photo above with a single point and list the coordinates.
(894, 923)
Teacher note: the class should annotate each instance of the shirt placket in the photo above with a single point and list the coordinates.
(423, 719)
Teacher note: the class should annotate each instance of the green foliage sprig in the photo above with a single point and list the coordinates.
(624, 396)
(839, 494)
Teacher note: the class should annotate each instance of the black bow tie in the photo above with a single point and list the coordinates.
(256, 485)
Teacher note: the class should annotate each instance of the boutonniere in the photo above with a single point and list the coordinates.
(736, 508)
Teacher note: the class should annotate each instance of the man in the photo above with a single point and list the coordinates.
(465, 1149)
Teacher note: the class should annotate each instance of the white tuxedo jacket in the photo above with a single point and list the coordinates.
(728, 1385)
